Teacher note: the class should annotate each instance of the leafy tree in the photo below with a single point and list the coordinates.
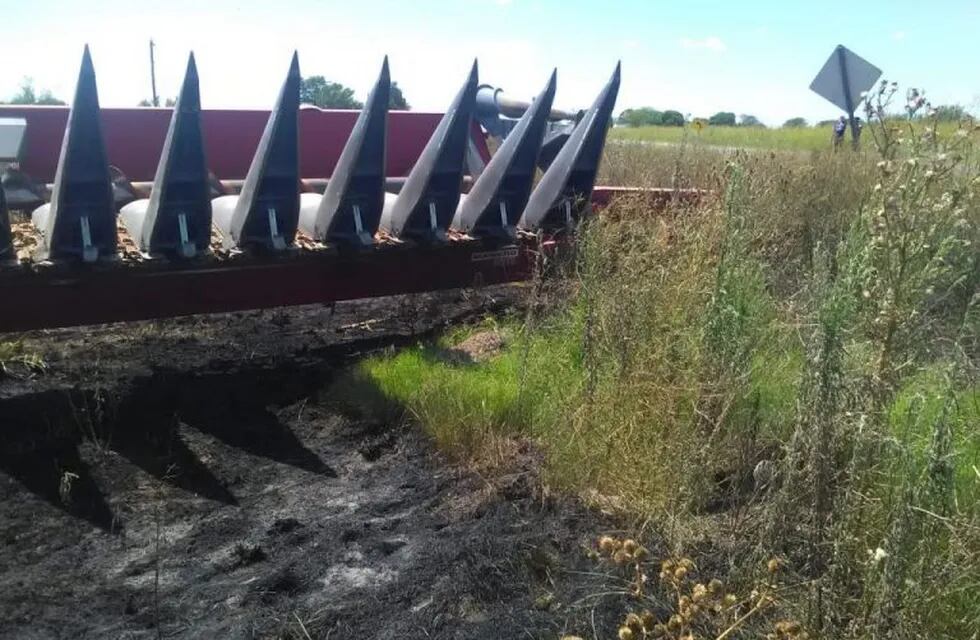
(169, 102)
(722, 119)
(47, 97)
(316, 90)
(795, 123)
(396, 99)
(28, 95)
(747, 120)
(825, 123)
(642, 117)
(672, 118)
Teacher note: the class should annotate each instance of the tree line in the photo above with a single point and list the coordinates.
(315, 90)
(320, 92)
(650, 117)
(28, 95)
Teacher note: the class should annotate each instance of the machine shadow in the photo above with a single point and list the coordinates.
(58, 475)
(161, 452)
(239, 415)
(260, 433)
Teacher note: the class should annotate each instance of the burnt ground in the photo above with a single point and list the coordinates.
(197, 478)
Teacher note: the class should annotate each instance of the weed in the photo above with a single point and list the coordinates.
(786, 370)
(65, 485)
(14, 356)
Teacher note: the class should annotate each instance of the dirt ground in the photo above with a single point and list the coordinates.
(195, 478)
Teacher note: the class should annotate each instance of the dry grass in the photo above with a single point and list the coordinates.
(790, 369)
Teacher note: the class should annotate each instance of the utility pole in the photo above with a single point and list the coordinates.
(153, 76)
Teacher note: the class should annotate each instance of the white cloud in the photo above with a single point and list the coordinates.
(711, 43)
(898, 35)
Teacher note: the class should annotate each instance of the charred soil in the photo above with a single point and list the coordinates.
(193, 479)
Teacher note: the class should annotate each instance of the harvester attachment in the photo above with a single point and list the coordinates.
(123, 191)
(80, 220)
(500, 193)
(7, 253)
(266, 212)
(176, 219)
(425, 206)
(554, 140)
(21, 191)
(562, 196)
(350, 209)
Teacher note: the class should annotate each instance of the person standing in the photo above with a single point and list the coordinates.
(840, 127)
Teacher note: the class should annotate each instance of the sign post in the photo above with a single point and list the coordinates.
(844, 76)
(848, 98)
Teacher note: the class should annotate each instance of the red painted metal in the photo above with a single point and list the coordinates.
(72, 295)
(62, 297)
(134, 139)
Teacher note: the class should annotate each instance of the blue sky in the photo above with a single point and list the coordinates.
(697, 57)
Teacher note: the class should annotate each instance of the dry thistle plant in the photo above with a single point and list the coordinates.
(696, 609)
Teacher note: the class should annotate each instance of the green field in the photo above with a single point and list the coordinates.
(803, 139)
(787, 139)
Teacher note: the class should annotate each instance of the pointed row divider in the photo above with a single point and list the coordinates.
(426, 204)
(175, 221)
(265, 215)
(80, 221)
(562, 195)
(498, 196)
(350, 209)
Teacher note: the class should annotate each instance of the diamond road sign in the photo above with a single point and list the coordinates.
(844, 77)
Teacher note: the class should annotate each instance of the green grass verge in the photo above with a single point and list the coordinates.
(800, 139)
(784, 139)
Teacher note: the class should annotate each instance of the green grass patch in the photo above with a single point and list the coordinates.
(465, 405)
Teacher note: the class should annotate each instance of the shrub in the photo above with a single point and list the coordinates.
(722, 118)
(642, 117)
(672, 118)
